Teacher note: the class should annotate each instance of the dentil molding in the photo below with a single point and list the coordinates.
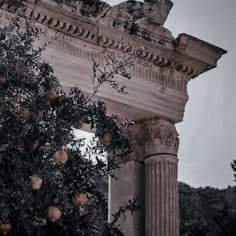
(161, 71)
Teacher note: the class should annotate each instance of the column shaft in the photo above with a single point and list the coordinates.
(161, 196)
(128, 185)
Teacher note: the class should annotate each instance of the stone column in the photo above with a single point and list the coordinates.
(130, 184)
(155, 144)
(160, 141)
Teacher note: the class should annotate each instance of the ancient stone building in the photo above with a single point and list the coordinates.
(156, 96)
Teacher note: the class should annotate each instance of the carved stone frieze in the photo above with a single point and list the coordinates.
(153, 137)
(148, 66)
(80, 27)
(96, 22)
(161, 70)
(92, 9)
(116, 18)
(163, 76)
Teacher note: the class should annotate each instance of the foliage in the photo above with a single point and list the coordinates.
(37, 120)
(207, 211)
(194, 227)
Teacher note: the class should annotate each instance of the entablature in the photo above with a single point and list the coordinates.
(107, 25)
(165, 64)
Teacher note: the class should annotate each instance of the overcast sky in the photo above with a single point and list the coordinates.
(208, 132)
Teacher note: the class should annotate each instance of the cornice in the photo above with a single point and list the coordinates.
(200, 50)
(163, 76)
(161, 70)
(160, 48)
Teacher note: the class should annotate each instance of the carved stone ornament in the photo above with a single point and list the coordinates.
(154, 10)
(153, 137)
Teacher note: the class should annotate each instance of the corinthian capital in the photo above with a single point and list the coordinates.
(153, 137)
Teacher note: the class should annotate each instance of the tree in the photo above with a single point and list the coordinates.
(47, 183)
(207, 211)
(193, 227)
(233, 165)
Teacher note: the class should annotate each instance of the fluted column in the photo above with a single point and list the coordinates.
(161, 196)
(161, 187)
(155, 144)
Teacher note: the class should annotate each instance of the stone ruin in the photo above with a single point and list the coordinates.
(156, 98)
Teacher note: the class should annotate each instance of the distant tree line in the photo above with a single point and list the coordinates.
(207, 211)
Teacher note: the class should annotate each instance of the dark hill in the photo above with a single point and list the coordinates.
(207, 211)
(203, 211)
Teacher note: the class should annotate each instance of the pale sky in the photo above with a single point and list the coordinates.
(208, 132)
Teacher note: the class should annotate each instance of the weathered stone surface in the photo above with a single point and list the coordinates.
(160, 74)
(160, 145)
(145, 25)
(153, 137)
(115, 13)
(92, 9)
(129, 185)
(155, 142)
(161, 196)
(155, 11)
(158, 89)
